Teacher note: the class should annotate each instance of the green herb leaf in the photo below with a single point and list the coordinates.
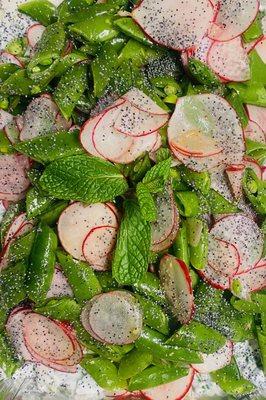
(133, 245)
(84, 178)
(146, 202)
(157, 176)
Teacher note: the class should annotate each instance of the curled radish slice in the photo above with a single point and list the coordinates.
(86, 136)
(223, 257)
(61, 123)
(5, 118)
(233, 18)
(249, 281)
(254, 132)
(176, 282)
(59, 286)
(175, 390)
(204, 132)
(6, 57)
(184, 22)
(19, 226)
(229, 60)
(201, 52)
(142, 102)
(215, 361)
(261, 48)
(166, 243)
(34, 34)
(258, 115)
(98, 245)
(140, 145)
(13, 179)
(235, 174)
(77, 220)
(244, 234)
(215, 278)
(113, 317)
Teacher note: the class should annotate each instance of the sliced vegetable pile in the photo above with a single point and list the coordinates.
(132, 171)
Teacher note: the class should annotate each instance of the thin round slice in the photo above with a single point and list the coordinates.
(177, 284)
(59, 286)
(254, 132)
(6, 57)
(15, 226)
(12, 132)
(5, 118)
(166, 243)
(34, 34)
(235, 174)
(177, 24)
(249, 281)
(13, 179)
(215, 278)
(143, 102)
(233, 18)
(86, 136)
(258, 115)
(113, 317)
(215, 361)
(223, 257)
(141, 145)
(229, 60)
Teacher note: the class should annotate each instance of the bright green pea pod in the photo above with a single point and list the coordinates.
(220, 205)
(68, 7)
(150, 286)
(5, 145)
(13, 210)
(129, 27)
(106, 281)
(41, 263)
(103, 68)
(68, 61)
(260, 299)
(43, 75)
(12, 285)
(95, 30)
(255, 190)
(154, 342)
(80, 276)
(138, 53)
(19, 84)
(51, 216)
(188, 203)
(194, 230)
(245, 306)
(153, 315)
(253, 93)
(262, 345)
(199, 253)
(64, 309)
(254, 31)
(50, 147)
(202, 73)
(237, 103)
(40, 10)
(70, 88)
(253, 146)
(20, 249)
(37, 203)
(198, 180)
(6, 70)
(104, 372)
(8, 359)
(180, 245)
(194, 278)
(199, 337)
(90, 12)
(257, 68)
(134, 363)
(156, 375)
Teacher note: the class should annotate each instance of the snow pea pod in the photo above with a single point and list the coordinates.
(51, 216)
(254, 31)
(8, 360)
(153, 314)
(6, 70)
(80, 276)
(40, 10)
(198, 180)
(150, 286)
(245, 306)
(70, 88)
(254, 93)
(68, 61)
(104, 372)
(19, 84)
(37, 203)
(64, 309)
(202, 73)
(255, 190)
(219, 204)
(41, 264)
(12, 285)
(106, 281)
(156, 375)
(131, 29)
(95, 30)
(256, 150)
(67, 7)
(188, 203)
(134, 363)
(180, 245)
(138, 53)
(90, 11)
(154, 342)
(237, 103)
(21, 248)
(102, 69)
(199, 252)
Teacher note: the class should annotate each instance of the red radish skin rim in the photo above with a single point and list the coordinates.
(90, 232)
(28, 30)
(174, 218)
(141, 109)
(194, 154)
(212, 283)
(235, 167)
(263, 37)
(81, 132)
(238, 259)
(144, 133)
(175, 227)
(18, 62)
(246, 108)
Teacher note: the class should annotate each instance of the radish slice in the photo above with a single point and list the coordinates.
(113, 317)
(77, 220)
(215, 278)
(6, 57)
(59, 286)
(5, 118)
(175, 390)
(16, 227)
(249, 281)
(215, 361)
(261, 49)
(176, 282)
(235, 174)
(143, 103)
(229, 60)
(13, 179)
(244, 234)
(34, 34)
(223, 257)
(86, 136)
(166, 243)
(124, 395)
(258, 115)
(140, 145)
(98, 245)
(254, 132)
(177, 24)
(19, 121)
(61, 123)
(202, 51)
(204, 132)
(233, 18)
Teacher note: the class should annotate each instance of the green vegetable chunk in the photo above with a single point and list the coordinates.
(21, 248)
(134, 363)
(8, 360)
(36, 203)
(149, 285)
(40, 10)
(180, 245)
(130, 28)
(64, 309)
(95, 30)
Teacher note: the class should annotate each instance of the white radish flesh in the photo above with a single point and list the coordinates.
(223, 257)
(254, 132)
(215, 361)
(214, 278)
(5, 118)
(6, 57)
(13, 179)
(34, 34)
(144, 103)
(258, 115)
(59, 286)
(235, 174)
(261, 49)
(250, 281)
(86, 136)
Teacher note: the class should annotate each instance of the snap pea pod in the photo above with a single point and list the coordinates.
(131, 29)
(180, 245)
(260, 299)
(64, 309)
(104, 372)
(20, 249)
(202, 73)
(44, 75)
(253, 93)
(88, 12)
(150, 287)
(156, 375)
(102, 69)
(95, 30)
(237, 103)
(153, 315)
(257, 70)
(198, 180)
(199, 252)
(41, 264)
(50, 147)
(70, 88)
(255, 190)
(6, 70)
(80, 276)
(245, 306)
(194, 230)
(8, 359)
(107, 282)
(51, 216)
(12, 211)
(219, 204)
(254, 31)
(138, 53)
(134, 363)
(37, 203)
(5, 145)
(67, 7)
(19, 84)
(12, 285)
(188, 203)
(261, 336)
(68, 61)
(40, 10)
(154, 342)
(199, 337)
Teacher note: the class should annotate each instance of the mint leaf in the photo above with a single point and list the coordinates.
(83, 178)
(156, 178)
(146, 202)
(133, 246)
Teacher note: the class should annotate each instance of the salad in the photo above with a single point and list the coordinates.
(132, 172)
